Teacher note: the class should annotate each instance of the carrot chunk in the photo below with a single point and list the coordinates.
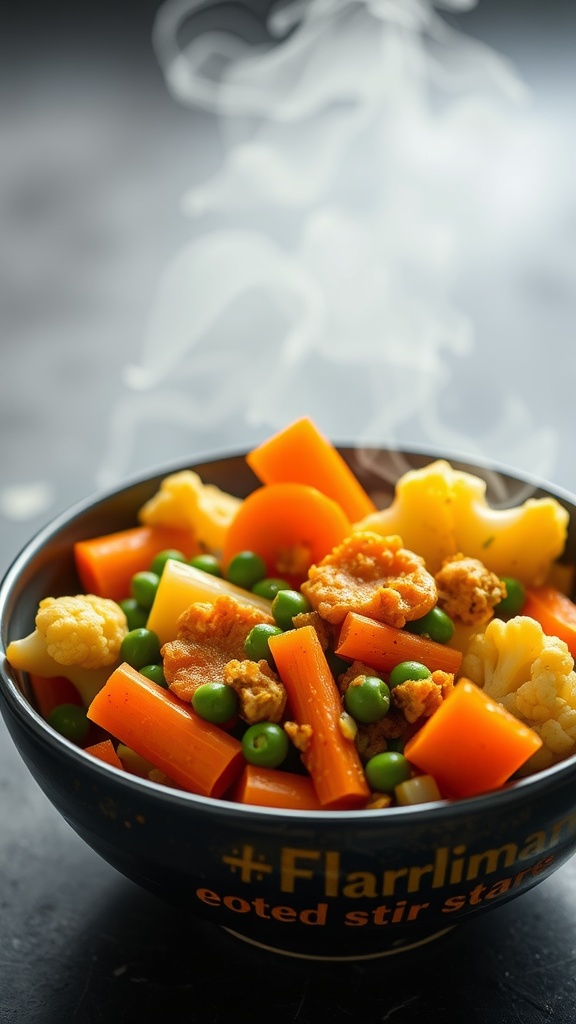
(104, 751)
(49, 693)
(471, 744)
(301, 454)
(107, 564)
(555, 612)
(382, 646)
(331, 758)
(152, 721)
(270, 787)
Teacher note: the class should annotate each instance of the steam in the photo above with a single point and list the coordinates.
(368, 151)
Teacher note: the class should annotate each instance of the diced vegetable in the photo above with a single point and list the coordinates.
(50, 692)
(107, 564)
(471, 744)
(270, 787)
(314, 700)
(382, 646)
(555, 612)
(301, 454)
(199, 756)
(104, 751)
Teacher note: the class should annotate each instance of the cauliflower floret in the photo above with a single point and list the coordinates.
(78, 637)
(261, 695)
(532, 675)
(372, 575)
(467, 590)
(420, 698)
(439, 511)
(183, 500)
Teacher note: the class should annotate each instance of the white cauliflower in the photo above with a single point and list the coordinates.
(75, 636)
(532, 675)
(185, 502)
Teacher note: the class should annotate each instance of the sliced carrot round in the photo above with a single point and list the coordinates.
(291, 526)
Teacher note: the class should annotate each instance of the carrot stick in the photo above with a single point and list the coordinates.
(152, 721)
(331, 758)
(555, 612)
(269, 787)
(182, 585)
(290, 525)
(382, 646)
(471, 744)
(50, 693)
(104, 751)
(301, 454)
(106, 564)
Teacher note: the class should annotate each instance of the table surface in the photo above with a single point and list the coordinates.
(98, 154)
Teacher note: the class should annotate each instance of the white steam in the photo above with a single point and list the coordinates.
(369, 152)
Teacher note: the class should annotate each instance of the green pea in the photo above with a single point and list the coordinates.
(269, 587)
(158, 563)
(513, 603)
(70, 721)
(436, 625)
(407, 670)
(246, 569)
(155, 673)
(265, 744)
(387, 770)
(367, 700)
(140, 647)
(207, 563)
(215, 702)
(256, 643)
(136, 615)
(143, 588)
(286, 605)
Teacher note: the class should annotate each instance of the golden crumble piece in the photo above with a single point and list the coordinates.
(467, 590)
(299, 735)
(324, 631)
(356, 669)
(374, 576)
(373, 738)
(420, 698)
(379, 802)
(261, 695)
(209, 636)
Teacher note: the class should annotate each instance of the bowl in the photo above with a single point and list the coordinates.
(330, 885)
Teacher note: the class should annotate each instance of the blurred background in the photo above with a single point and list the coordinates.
(215, 218)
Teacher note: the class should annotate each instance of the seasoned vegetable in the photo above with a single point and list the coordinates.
(107, 564)
(185, 500)
(383, 646)
(269, 787)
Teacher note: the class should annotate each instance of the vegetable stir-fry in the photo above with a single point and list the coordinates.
(303, 649)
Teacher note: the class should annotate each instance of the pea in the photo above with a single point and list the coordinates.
(245, 569)
(136, 615)
(70, 721)
(513, 603)
(436, 625)
(143, 588)
(269, 587)
(215, 702)
(155, 673)
(386, 771)
(207, 563)
(286, 605)
(265, 744)
(158, 563)
(256, 643)
(367, 700)
(407, 670)
(140, 647)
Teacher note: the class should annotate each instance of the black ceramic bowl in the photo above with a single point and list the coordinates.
(345, 884)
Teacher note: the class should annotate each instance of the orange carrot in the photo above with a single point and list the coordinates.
(289, 525)
(106, 564)
(382, 646)
(471, 744)
(270, 787)
(163, 729)
(555, 612)
(104, 751)
(301, 454)
(331, 758)
(50, 693)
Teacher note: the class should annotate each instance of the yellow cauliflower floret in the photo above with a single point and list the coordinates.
(184, 501)
(77, 637)
(532, 675)
(439, 511)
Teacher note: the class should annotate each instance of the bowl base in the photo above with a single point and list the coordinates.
(403, 946)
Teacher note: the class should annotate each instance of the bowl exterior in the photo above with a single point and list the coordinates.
(346, 884)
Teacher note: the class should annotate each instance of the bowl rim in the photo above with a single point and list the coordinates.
(14, 700)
